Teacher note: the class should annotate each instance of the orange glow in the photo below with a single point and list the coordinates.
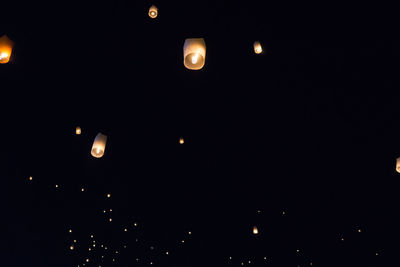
(257, 47)
(78, 130)
(255, 230)
(153, 12)
(181, 141)
(6, 47)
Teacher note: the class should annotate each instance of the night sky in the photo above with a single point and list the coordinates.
(300, 141)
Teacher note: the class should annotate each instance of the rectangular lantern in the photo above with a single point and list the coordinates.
(99, 145)
(194, 53)
(257, 47)
(6, 47)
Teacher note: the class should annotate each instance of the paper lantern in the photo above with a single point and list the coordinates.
(153, 12)
(194, 53)
(181, 141)
(99, 145)
(257, 47)
(6, 46)
(78, 130)
(255, 230)
(398, 164)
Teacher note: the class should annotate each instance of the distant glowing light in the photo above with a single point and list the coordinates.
(71, 247)
(108, 195)
(78, 130)
(255, 230)
(30, 178)
(181, 141)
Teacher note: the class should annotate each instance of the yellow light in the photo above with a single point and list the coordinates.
(90, 249)
(166, 252)
(3, 55)
(110, 220)
(70, 230)
(87, 260)
(78, 130)
(99, 145)
(110, 209)
(83, 189)
(71, 247)
(153, 12)
(56, 185)
(104, 211)
(190, 233)
(181, 141)
(359, 230)
(30, 178)
(74, 240)
(195, 58)
(183, 241)
(257, 47)
(126, 230)
(135, 224)
(255, 230)
(108, 195)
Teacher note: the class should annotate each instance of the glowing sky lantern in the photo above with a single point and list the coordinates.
(78, 130)
(153, 12)
(99, 145)
(257, 47)
(194, 53)
(6, 47)
(398, 164)
(255, 230)
(181, 141)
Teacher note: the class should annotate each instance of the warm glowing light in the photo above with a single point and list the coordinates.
(190, 233)
(91, 236)
(71, 247)
(87, 260)
(255, 230)
(153, 12)
(195, 58)
(30, 178)
(99, 145)
(104, 211)
(6, 47)
(194, 53)
(83, 189)
(70, 230)
(74, 240)
(110, 220)
(398, 164)
(90, 249)
(297, 250)
(126, 230)
(110, 209)
(78, 130)
(108, 195)
(134, 224)
(166, 252)
(56, 185)
(257, 47)
(181, 141)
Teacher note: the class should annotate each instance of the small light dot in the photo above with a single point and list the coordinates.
(87, 260)
(297, 250)
(116, 252)
(82, 189)
(183, 241)
(110, 219)
(359, 230)
(190, 233)
(74, 240)
(376, 254)
(71, 247)
(108, 195)
(104, 211)
(166, 252)
(265, 258)
(90, 249)
(283, 213)
(230, 258)
(70, 230)
(91, 236)
(151, 247)
(249, 261)
(135, 224)
(30, 178)
(56, 185)
(113, 259)
(181, 141)
(110, 209)
(126, 230)
(151, 263)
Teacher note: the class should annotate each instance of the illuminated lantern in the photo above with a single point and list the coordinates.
(255, 230)
(398, 164)
(194, 53)
(78, 130)
(257, 47)
(153, 12)
(181, 141)
(6, 46)
(99, 145)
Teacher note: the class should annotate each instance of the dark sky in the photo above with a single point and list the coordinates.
(310, 128)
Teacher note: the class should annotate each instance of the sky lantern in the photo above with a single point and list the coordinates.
(257, 47)
(6, 46)
(153, 12)
(78, 130)
(181, 141)
(255, 230)
(194, 53)
(398, 164)
(99, 145)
